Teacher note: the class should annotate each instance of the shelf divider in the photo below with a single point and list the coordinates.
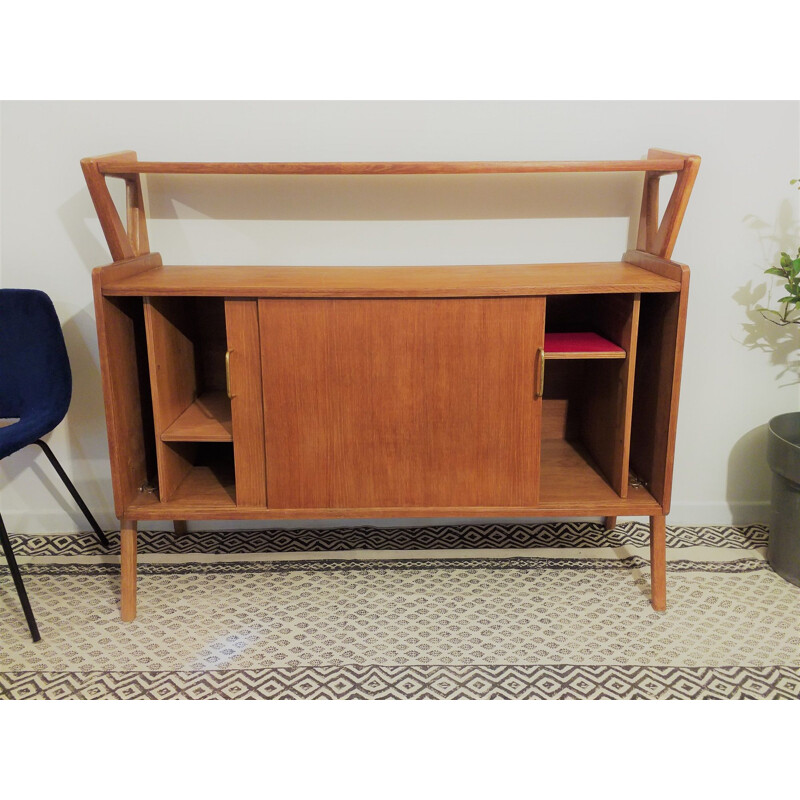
(207, 419)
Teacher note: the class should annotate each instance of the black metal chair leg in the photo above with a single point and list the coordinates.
(73, 491)
(14, 569)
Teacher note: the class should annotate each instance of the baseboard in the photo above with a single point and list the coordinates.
(733, 513)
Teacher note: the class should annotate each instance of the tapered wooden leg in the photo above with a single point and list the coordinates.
(179, 526)
(658, 563)
(610, 523)
(127, 536)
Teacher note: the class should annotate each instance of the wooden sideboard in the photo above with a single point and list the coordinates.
(531, 390)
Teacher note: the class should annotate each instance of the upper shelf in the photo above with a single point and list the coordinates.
(110, 166)
(439, 281)
(126, 241)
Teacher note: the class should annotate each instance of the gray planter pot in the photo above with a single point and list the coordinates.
(783, 455)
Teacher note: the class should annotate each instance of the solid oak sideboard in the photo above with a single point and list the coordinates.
(531, 390)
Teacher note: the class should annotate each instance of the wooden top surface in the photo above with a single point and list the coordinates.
(438, 281)
(112, 166)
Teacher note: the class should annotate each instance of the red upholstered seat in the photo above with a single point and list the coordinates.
(578, 343)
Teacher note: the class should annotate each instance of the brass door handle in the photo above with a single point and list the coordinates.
(228, 374)
(540, 377)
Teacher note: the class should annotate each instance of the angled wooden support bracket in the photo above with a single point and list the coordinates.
(659, 239)
(123, 243)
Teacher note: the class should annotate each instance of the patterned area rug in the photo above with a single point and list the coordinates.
(550, 611)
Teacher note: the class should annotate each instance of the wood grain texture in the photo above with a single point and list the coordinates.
(425, 411)
(249, 450)
(110, 165)
(119, 329)
(658, 562)
(662, 326)
(207, 419)
(127, 268)
(441, 281)
(648, 217)
(173, 382)
(564, 385)
(676, 208)
(137, 219)
(608, 394)
(117, 238)
(571, 486)
(609, 523)
(127, 544)
(657, 237)
(554, 418)
(171, 357)
(597, 392)
(214, 507)
(624, 410)
(206, 487)
(671, 270)
(401, 402)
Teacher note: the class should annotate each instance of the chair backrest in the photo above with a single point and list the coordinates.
(35, 377)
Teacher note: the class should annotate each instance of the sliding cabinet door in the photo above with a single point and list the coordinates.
(393, 403)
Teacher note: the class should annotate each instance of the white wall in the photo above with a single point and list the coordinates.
(742, 213)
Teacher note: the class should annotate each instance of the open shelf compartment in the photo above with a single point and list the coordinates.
(207, 474)
(588, 383)
(186, 345)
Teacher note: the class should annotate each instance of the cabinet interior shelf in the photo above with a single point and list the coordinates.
(207, 419)
(580, 346)
(571, 485)
(205, 486)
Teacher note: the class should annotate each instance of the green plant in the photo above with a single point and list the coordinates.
(789, 270)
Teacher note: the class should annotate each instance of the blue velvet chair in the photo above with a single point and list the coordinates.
(35, 388)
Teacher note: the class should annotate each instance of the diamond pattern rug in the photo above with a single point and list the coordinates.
(550, 611)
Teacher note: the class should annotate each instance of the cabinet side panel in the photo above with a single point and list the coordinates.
(662, 323)
(401, 402)
(247, 407)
